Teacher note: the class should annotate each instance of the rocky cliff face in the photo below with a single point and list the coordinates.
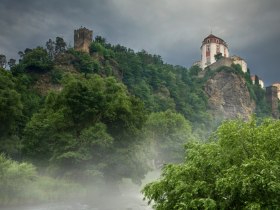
(229, 96)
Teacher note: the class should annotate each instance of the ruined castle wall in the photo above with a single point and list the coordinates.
(272, 99)
(82, 39)
(221, 62)
(242, 63)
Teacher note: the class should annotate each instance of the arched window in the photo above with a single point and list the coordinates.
(217, 48)
(208, 48)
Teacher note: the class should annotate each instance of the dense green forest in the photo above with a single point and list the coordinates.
(97, 117)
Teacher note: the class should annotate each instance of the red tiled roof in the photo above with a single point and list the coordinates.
(212, 37)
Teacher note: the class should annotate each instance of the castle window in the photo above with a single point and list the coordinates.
(217, 41)
(208, 40)
(217, 48)
(208, 48)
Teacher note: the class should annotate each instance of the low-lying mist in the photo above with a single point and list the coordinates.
(124, 196)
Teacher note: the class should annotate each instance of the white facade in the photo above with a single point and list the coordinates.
(212, 45)
(261, 83)
(240, 61)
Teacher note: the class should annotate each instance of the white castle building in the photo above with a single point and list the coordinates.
(211, 46)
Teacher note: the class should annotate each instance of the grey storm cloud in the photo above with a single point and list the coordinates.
(173, 29)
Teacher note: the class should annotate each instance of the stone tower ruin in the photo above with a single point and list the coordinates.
(82, 39)
(272, 99)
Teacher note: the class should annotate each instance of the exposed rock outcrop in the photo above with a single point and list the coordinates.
(229, 96)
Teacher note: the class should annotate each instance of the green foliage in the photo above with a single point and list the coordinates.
(99, 47)
(56, 76)
(194, 70)
(36, 60)
(17, 104)
(30, 99)
(14, 177)
(84, 62)
(10, 104)
(262, 107)
(11, 63)
(100, 40)
(96, 47)
(248, 77)
(162, 86)
(94, 126)
(50, 47)
(89, 123)
(237, 169)
(60, 45)
(167, 133)
(218, 56)
(235, 68)
(3, 61)
(20, 184)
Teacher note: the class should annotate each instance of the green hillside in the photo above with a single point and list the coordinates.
(107, 115)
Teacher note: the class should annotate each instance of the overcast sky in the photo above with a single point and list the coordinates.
(173, 29)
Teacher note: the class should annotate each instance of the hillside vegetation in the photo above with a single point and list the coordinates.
(103, 116)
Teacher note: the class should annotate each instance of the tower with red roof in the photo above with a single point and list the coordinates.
(211, 46)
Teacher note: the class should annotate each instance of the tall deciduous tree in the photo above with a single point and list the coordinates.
(100, 40)
(50, 45)
(36, 60)
(3, 61)
(237, 169)
(12, 63)
(168, 132)
(60, 45)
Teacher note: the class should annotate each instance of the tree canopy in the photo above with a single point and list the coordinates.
(91, 121)
(10, 104)
(167, 133)
(36, 60)
(237, 169)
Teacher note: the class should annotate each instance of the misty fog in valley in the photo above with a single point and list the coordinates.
(128, 197)
(89, 124)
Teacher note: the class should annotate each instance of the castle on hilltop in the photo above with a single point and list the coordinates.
(212, 46)
(82, 39)
(215, 53)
